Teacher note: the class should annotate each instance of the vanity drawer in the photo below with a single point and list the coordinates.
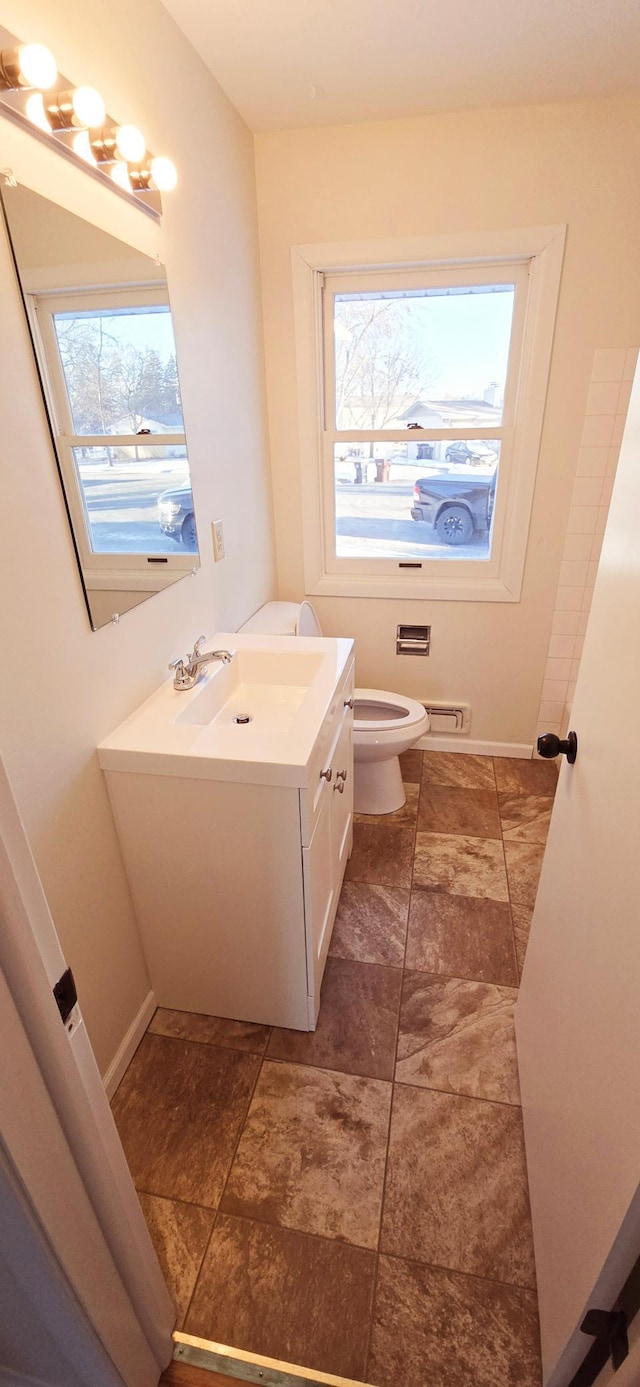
(322, 759)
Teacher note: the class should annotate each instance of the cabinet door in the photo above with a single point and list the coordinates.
(319, 897)
(342, 800)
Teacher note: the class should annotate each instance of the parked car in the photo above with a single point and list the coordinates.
(457, 505)
(176, 515)
(461, 452)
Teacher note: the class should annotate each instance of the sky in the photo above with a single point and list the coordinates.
(466, 337)
(146, 327)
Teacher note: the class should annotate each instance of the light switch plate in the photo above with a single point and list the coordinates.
(217, 534)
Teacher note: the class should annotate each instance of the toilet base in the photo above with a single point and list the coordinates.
(378, 787)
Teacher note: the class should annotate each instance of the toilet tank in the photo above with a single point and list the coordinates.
(284, 619)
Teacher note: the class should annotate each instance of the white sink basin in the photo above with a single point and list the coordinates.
(284, 685)
(265, 686)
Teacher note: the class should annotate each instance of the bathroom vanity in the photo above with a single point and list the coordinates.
(236, 833)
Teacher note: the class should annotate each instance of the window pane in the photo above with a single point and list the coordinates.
(120, 370)
(415, 500)
(137, 500)
(434, 357)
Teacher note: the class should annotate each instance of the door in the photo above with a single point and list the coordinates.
(578, 1014)
(64, 1185)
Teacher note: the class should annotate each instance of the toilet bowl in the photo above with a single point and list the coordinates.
(384, 724)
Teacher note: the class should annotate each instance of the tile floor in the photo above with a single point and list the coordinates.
(355, 1200)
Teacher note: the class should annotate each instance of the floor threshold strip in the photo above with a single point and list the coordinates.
(250, 1367)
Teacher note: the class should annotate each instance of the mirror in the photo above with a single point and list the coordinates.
(102, 334)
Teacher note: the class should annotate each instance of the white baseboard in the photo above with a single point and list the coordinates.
(125, 1052)
(433, 742)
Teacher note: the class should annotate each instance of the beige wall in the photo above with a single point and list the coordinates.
(574, 164)
(63, 686)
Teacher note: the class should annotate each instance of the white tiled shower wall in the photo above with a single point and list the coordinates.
(607, 404)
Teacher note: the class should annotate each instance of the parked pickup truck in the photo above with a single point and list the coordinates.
(458, 502)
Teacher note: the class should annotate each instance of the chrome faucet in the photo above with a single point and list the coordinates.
(187, 672)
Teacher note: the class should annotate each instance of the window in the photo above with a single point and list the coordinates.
(110, 374)
(426, 406)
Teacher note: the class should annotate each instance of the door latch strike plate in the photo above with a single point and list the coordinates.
(66, 995)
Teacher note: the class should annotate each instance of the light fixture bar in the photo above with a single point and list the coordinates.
(74, 121)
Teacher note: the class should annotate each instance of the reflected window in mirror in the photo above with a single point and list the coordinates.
(102, 333)
(111, 363)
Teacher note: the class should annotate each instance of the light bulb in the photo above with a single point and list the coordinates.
(120, 175)
(38, 66)
(88, 107)
(81, 145)
(164, 174)
(36, 112)
(130, 144)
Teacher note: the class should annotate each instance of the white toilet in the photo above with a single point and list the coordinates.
(384, 724)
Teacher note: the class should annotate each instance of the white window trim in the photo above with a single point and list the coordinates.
(543, 247)
(108, 571)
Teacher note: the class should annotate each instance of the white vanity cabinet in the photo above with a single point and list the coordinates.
(236, 865)
(327, 834)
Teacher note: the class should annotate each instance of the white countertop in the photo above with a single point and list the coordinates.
(159, 738)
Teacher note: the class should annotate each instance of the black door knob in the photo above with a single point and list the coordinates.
(549, 746)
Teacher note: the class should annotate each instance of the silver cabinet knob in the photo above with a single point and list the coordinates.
(348, 703)
(326, 775)
(339, 786)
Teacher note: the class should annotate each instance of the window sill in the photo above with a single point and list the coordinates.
(414, 589)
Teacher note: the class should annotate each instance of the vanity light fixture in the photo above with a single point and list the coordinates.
(120, 175)
(81, 145)
(118, 142)
(159, 173)
(74, 119)
(72, 110)
(164, 174)
(27, 65)
(36, 112)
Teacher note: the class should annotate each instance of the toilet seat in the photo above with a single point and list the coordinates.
(388, 725)
(383, 712)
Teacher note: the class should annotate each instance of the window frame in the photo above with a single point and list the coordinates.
(102, 571)
(540, 250)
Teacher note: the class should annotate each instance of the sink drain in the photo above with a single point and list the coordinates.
(242, 718)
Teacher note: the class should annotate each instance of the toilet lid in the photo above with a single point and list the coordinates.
(375, 709)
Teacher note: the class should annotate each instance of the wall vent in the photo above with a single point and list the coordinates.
(448, 718)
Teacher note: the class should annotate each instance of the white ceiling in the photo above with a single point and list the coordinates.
(289, 63)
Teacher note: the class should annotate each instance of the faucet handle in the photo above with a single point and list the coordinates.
(176, 664)
(197, 649)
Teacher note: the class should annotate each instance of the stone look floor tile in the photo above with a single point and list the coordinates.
(461, 936)
(458, 1036)
(371, 923)
(411, 765)
(210, 1030)
(524, 862)
(357, 1025)
(406, 815)
(456, 1191)
(452, 768)
(381, 856)
(438, 1327)
(521, 925)
(521, 777)
(285, 1295)
(461, 865)
(450, 809)
(312, 1153)
(180, 1233)
(525, 818)
(179, 1111)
